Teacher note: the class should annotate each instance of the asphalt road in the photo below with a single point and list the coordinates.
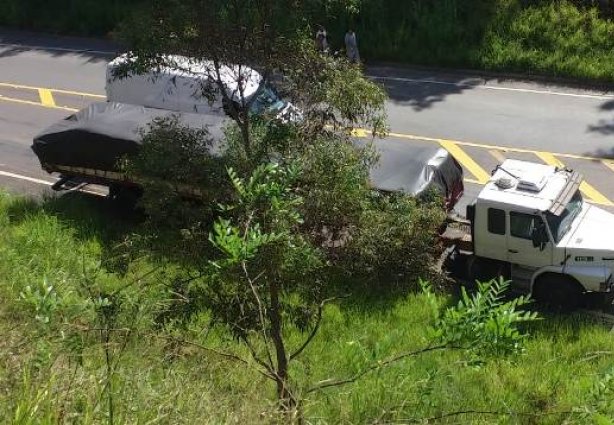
(481, 120)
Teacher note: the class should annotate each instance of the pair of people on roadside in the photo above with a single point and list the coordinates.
(351, 44)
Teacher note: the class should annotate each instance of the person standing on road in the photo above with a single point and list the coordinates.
(321, 40)
(351, 46)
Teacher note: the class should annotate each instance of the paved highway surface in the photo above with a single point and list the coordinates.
(480, 120)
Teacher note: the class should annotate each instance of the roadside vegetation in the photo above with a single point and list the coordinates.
(70, 302)
(268, 282)
(554, 38)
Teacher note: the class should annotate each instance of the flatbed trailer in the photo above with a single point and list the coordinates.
(457, 234)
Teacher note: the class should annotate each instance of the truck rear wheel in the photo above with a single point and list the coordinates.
(557, 292)
(484, 270)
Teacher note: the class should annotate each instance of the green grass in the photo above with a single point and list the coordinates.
(55, 372)
(556, 38)
(74, 17)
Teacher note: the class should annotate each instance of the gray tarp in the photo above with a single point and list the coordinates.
(99, 135)
(413, 169)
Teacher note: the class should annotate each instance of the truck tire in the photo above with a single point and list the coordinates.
(557, 292)
(456, 265)
(484, 270)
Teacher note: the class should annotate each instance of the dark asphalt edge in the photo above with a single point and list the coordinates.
(45, 40)
(107, 45)
(569, 82)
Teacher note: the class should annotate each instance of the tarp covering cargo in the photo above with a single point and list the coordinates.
(98, 136)
(413, 169)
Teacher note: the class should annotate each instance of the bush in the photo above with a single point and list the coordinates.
(485, 322)
(395, 241)
(183, 183)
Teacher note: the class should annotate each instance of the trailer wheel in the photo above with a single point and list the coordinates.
(557, 292)
(125, 197)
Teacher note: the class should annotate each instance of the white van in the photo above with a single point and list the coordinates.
(179, 86)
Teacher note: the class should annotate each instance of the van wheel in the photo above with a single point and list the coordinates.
(558, 293)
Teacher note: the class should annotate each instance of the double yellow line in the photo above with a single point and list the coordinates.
(45, 95)
(482, 177)
(455, 147)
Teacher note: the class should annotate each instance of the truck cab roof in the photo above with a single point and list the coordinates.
(530, 186)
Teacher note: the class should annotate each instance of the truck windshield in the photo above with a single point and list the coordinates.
(267, 101)
(560, 224)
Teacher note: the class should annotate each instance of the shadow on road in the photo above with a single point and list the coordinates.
(420, 95)
(13, 43)
(6, 52)
(604, 127)
(421, 88)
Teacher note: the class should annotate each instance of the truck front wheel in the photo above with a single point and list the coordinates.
(557, 292)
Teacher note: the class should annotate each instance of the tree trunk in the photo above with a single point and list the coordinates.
(244, 125)
(285, 397)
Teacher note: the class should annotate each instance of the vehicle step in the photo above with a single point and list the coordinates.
(521, 277)
(67, 182)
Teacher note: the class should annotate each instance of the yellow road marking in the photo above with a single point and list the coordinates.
(46, 98)
(588, 190)
(360, 132)
(392, 134)
(609, 164)
(69, 92)
(498, 155)
(28, 102)
(494, 147)
(465, 160)
(454, 146)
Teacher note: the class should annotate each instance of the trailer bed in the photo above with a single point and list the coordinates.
(458, 234)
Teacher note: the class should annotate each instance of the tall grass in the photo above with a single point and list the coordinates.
(549, 38)
(75, 17)
(559, 38)
(560, 378)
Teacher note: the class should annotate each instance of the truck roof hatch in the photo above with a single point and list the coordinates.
(532, 182)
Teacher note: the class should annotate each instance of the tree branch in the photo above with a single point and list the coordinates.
(261, 311)
(483, 412)
(225, 355)
(268, 367)
(315, 329)
(338, 382)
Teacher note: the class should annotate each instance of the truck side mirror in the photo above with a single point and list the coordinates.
(539, 237)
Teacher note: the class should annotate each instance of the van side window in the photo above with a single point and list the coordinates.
(496, 221)
(522, 225)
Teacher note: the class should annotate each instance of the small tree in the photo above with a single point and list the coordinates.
(267, 265)
(223, 39)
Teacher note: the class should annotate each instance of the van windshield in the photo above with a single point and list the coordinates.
(560, 224)
(267, 101)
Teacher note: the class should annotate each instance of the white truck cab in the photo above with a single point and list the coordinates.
(179, 86)
(530, 223)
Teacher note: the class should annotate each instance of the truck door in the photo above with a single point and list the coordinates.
(520, 249)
